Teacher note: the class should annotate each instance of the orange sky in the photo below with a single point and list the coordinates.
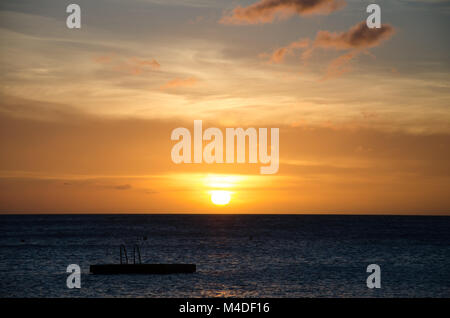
(86, 115)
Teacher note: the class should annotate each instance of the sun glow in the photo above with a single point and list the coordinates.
(223, 181)
(220, 197)
(220, 189)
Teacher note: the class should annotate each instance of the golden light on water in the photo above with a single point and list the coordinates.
(220, 197)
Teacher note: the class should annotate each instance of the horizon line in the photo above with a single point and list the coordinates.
(209, 213)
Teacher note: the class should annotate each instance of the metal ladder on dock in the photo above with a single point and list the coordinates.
(124, 254)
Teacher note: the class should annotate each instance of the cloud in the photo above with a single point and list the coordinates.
(266, 11)
(91, 182)
(357, 37)
(123, 187)
(103, 59)
(356, 40)
(151, 62)
(132, 65)
(339, 66)
(179, 82)
(279, 54)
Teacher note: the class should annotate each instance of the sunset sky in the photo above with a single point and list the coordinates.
(86, 114)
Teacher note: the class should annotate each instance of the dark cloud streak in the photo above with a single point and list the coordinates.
(266, 11)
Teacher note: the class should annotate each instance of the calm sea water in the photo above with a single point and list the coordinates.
(236, 255)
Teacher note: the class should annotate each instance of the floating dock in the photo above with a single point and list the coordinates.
(143, 268)
(138, 268)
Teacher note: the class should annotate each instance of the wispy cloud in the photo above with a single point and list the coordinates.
(266, 11)
(279, 54)
(123, 187)
(179, 82)
(357, 39)
(339, 65)
(131, 65)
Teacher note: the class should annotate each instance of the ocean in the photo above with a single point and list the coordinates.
(236, 255)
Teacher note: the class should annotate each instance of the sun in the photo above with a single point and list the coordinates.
(220, 197)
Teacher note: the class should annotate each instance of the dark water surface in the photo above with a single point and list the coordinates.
(236, 255)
